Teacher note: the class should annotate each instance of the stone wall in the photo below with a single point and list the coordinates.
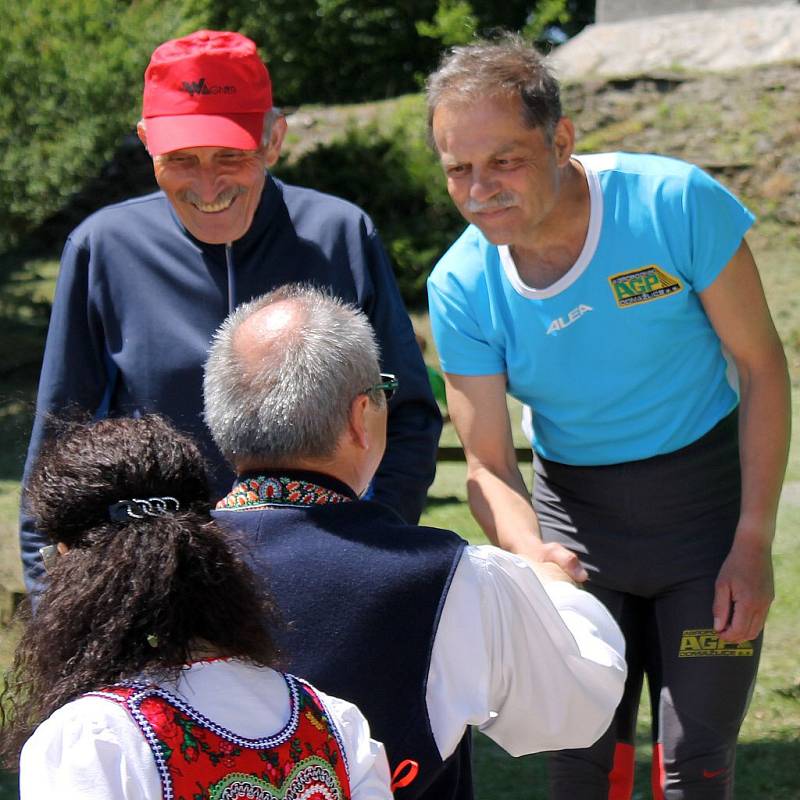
(622, 10)
(705, 40)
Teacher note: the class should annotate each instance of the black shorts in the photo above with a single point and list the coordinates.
(653, 534)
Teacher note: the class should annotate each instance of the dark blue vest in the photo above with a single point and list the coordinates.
(361, 593)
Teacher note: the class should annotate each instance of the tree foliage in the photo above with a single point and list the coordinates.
(71, 89)
(71, 81)
(336, 50)
(324, 51)
(453, 23)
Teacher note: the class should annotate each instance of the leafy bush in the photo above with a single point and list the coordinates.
(390, 171)
(335, 51)
(340, 51)
(71, 89)
(71, 80)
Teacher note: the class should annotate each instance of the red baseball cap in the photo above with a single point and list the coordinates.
(208, 89)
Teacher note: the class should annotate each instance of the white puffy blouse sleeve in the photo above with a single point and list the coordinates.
(536, 667)
(90, 749)
(367, 762)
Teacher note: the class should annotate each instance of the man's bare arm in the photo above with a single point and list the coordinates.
(498, 497)
(736, 306)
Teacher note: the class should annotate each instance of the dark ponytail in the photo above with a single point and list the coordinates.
(131, 595)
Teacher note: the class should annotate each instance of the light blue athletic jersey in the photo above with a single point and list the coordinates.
(617, 359)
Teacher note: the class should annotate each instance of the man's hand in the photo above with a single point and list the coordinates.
(743, 591)
(553, 561)
(736, 306)
(548, 572)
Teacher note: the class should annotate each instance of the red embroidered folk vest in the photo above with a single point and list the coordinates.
(200, 760)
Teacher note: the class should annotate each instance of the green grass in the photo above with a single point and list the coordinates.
(770, 742)
(770, 738)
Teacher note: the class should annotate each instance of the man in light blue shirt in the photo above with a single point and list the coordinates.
(616, 297)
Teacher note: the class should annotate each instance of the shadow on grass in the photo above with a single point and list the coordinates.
(763, 769)
(27, 278)
(8, 786)
(437, 502)
(25, 292)
(17, 404)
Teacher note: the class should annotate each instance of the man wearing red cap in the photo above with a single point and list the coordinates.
(204, 106)
(145, 283)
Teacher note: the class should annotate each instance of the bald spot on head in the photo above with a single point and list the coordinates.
(268, 331)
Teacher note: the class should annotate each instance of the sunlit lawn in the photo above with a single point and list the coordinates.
(770, 742)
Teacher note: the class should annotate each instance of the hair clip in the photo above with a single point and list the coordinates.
(49, 554)
(138, 508)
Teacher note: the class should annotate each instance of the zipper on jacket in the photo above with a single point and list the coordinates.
(231, 277)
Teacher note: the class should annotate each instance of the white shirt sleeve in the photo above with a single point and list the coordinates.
(90, 749)
(536, 667)
(369, 768)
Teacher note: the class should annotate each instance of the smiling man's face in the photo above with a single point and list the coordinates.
(215, 190)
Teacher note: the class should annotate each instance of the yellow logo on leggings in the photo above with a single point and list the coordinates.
(643, 285)
(703, 642)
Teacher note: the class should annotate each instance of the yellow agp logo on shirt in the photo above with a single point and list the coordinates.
(643, 285)
(705, 642)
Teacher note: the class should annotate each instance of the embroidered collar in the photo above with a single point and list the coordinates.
(299, 490)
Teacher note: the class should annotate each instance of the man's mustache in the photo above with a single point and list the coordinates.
(499, 201)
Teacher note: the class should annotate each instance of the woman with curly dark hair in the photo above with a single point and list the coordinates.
(147, 671)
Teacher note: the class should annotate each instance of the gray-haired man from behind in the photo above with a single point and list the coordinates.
(427, 634)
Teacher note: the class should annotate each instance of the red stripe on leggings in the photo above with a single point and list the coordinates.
(620, 781)
(657, 775)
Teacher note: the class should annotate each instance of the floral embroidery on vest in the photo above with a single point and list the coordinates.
(264, 491)
(200, 760)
